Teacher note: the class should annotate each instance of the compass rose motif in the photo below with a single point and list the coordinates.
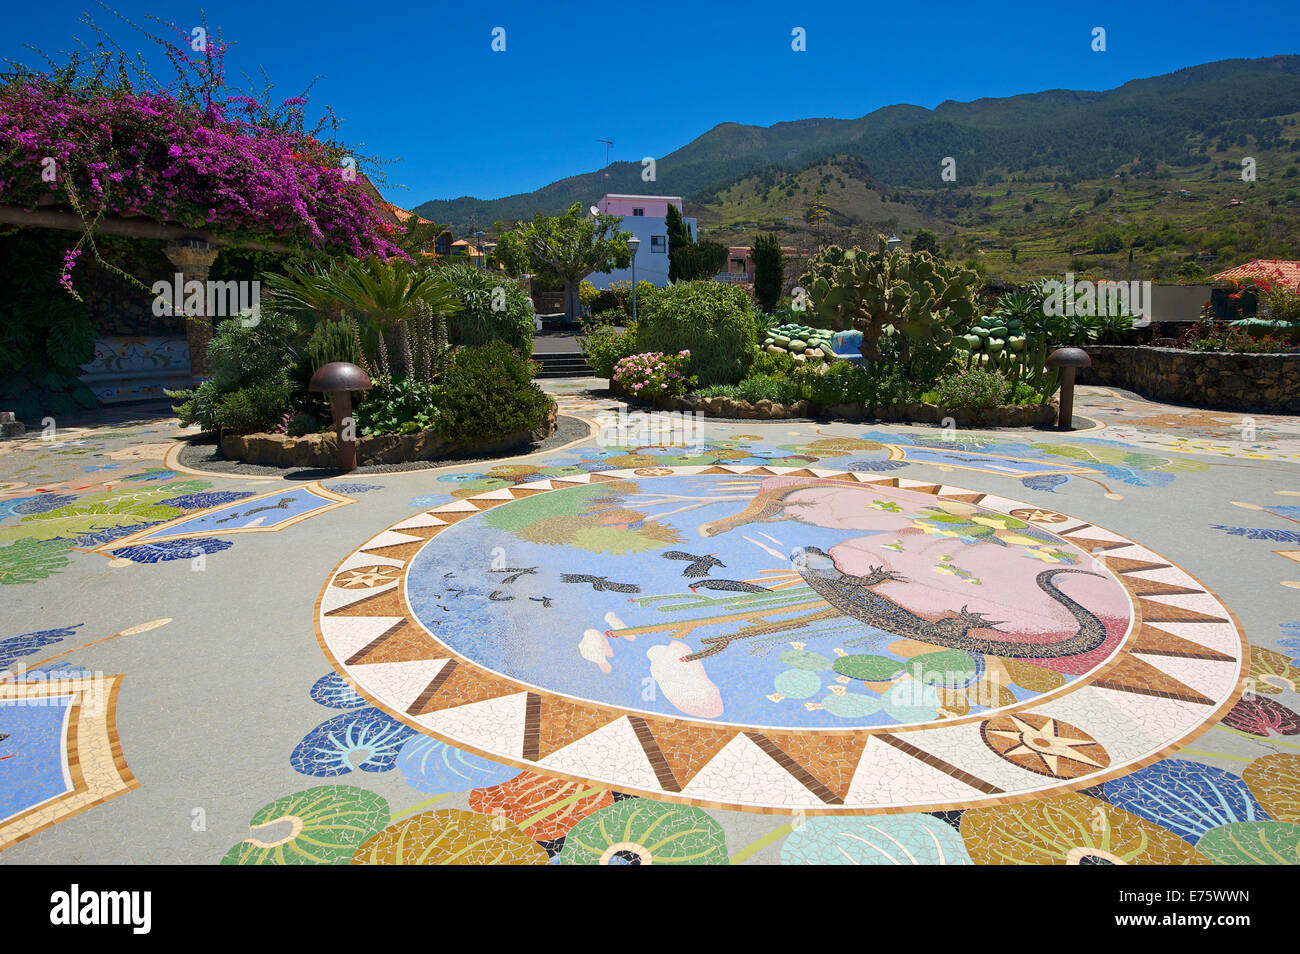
(1044, 745)
(1038, 515)
(366, 577)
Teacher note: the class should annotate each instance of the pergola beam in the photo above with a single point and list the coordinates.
(131, 228)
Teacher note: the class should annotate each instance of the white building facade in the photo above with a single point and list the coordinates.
(646, 217)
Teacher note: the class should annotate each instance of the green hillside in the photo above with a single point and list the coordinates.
(1066, 177)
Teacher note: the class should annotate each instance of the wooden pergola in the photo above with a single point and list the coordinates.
(191, 250)
(128, 226)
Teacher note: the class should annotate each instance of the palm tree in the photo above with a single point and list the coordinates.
(382, 295)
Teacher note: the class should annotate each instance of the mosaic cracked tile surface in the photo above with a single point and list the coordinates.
(788, 643)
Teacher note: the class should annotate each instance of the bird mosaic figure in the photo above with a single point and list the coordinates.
(734, 586)
(600, 584)
(282, 504)
(515, 572)
(699, 565)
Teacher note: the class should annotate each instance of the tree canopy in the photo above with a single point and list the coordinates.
(689, 260)
(566, 249)
(769, 270)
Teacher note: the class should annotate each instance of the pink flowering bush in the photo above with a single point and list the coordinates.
(652, 375)
(186, 154)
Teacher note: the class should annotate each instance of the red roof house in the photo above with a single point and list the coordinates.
(1271, 268)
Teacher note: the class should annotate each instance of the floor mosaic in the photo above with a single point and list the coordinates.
(775, 642)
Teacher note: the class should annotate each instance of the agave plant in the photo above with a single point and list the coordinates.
(1025, 304)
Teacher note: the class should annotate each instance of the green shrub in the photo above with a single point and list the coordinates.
(258, 407)
(333, 341)
(597, 301)
(604, 346)
(1021, 393)
(398, 407)
(479, 323)
(616, 298)
(775, 364)
(488, 392)
(263, 359)
(714, 322)
(198, 406)
(845, 382)
(300, 424)
(622, 292)
(719, 390)
(240, 355)
(972, 389)
(841, 383)
(761, 387)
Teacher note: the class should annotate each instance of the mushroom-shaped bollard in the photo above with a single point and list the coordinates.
(340, 379)
(1068, 360)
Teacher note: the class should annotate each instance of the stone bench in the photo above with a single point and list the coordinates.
(137, 369)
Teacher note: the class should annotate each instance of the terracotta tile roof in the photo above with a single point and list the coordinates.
(1264, 268)
(402, 215)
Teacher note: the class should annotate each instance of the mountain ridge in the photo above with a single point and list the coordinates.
(1152, 119)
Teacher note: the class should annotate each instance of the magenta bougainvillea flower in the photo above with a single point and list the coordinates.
(228, 165)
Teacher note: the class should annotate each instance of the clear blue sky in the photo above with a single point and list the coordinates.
(419, 82)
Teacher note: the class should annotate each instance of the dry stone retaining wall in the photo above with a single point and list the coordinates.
(321, 450)
(1214, 379)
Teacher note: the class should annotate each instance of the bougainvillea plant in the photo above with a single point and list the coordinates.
(93, 137)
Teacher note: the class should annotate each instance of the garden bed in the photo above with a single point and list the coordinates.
(1018, 415)
(321, 449)
(1212, 379)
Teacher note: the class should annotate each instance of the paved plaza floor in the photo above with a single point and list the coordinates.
(744, 642)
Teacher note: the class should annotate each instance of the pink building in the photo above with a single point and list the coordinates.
(650, 206)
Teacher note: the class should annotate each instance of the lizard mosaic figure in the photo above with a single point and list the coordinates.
(855, 597)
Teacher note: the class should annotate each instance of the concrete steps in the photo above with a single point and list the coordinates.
(565, 364)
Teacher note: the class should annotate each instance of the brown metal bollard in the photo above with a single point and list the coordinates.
(1069, 360)
(339, 379)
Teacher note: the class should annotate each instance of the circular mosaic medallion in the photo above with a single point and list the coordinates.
(764, 637)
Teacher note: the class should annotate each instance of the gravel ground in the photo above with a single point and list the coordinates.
(204, 454)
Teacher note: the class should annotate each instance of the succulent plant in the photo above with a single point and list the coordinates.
(333, 341)
(803, 342)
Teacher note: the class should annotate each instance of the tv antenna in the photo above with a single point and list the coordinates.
(608, 143)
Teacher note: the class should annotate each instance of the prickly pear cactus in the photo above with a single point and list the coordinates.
(924, 300)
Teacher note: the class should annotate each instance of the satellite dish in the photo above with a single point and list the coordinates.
(595, 210)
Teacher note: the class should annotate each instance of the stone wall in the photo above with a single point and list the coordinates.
(1234, 382)
(321, 449)
(119, 309)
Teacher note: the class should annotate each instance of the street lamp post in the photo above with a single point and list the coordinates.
(633, 243)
